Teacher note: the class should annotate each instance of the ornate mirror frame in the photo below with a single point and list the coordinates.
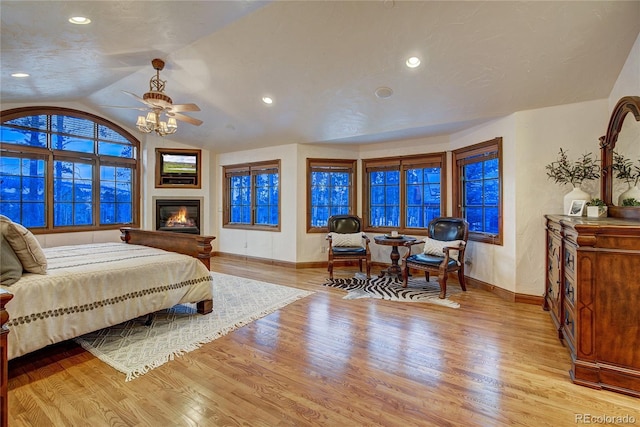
(627, 104)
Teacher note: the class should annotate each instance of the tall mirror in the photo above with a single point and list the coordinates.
(622, 138)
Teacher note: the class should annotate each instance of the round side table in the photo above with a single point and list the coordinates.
(394, 269)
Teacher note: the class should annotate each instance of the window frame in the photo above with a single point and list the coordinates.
(402, 163)
(252, 170)
(336, 165)
(50, 155)
(477, 153)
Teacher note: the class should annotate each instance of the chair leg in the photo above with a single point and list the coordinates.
(442, 279)
(463, 285)
(426, 276)
(405, 276)
(360, 265)
(330, 269)
(368, 263)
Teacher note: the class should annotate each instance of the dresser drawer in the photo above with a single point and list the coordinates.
(569, 290)
(569, 327)
(569, 261)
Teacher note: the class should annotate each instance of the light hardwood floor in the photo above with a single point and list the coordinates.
(327, 361)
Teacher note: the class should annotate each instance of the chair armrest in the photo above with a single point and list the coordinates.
(409, 244)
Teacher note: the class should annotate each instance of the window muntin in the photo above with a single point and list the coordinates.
(252, 196)
(71, 151)
(330, 191)
(478, 199)
(403, 193)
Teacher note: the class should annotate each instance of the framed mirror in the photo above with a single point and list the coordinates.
(622, 137)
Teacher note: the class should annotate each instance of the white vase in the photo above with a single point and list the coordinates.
(576, 194)
(632, 192)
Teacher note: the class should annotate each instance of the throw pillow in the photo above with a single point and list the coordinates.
(10, 265)
(347, 239)
(25, 245)
(434, 247)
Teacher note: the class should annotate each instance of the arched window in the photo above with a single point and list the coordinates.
(67, 170)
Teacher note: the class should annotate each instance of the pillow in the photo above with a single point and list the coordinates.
(10, 265)
(434, 247)
(25, 245)
(346, 239)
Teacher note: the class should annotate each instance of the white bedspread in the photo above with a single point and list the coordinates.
(90, 287)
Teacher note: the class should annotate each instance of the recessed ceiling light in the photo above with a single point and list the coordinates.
(19, 75)
(413, 62)
(384, 92)
(79, 20)
(267, 100)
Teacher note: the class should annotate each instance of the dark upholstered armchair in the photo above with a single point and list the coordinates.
(347, 242)
(443, 252)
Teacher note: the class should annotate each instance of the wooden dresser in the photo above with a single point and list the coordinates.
(593, 296)
(4, 317)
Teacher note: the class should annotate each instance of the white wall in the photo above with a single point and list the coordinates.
(150, 192)
(628, 83)
(539, 135)
(274, 245)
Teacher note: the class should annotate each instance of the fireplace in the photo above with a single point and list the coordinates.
(178, 215)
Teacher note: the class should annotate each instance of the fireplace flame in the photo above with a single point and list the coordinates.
(180, 219)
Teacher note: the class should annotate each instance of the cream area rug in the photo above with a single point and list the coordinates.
(134, 348)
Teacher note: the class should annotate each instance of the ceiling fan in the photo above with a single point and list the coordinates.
(158, 103)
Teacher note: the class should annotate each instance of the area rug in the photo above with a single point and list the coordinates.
(417, 290)
(134, 348)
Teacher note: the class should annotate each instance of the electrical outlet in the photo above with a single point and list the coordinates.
(323, 249)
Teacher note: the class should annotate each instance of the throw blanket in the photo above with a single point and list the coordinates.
(90, 287)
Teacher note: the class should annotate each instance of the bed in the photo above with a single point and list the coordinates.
(93, 286)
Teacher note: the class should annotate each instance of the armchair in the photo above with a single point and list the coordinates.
(347, 242)
(443, 252)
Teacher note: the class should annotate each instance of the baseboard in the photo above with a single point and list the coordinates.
(474, 283)
(503, 293)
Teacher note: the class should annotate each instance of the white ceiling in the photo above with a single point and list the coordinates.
(321, 61)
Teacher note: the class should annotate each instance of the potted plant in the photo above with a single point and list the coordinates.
(629, 173)
(596, 208)
(564, 171)
(630, 202)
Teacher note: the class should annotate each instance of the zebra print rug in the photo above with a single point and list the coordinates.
(418, 290)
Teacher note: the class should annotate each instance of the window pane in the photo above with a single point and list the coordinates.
(23, 137)
(107, 213)
(473, 193)
(22, 190)
(72, 126)
(34, 122)
(491, 220)
(124, 213)
(491, 169)
(116, 150)
(473, 171)
(72, 144)
(474, 218)
(106, 133)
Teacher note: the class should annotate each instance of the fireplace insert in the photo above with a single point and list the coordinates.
(179, 216)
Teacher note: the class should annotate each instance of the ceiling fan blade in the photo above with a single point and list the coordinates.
(187, 119)
(178, 108)
(128, 108)
(136, 97)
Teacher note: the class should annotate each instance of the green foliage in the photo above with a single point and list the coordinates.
(630, 202)
(596, 202)
(625, 169)
(563, 171)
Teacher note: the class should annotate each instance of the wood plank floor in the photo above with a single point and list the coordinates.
(327, 361)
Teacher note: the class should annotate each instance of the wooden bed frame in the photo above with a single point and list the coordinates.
(189, 244)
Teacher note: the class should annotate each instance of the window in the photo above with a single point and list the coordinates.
(477, 184)
(252, 195)
(330, 191)
(63, 169)
(403, 193)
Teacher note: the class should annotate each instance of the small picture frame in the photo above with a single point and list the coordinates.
(577, 207)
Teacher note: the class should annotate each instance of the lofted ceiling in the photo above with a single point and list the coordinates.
(320, 61)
